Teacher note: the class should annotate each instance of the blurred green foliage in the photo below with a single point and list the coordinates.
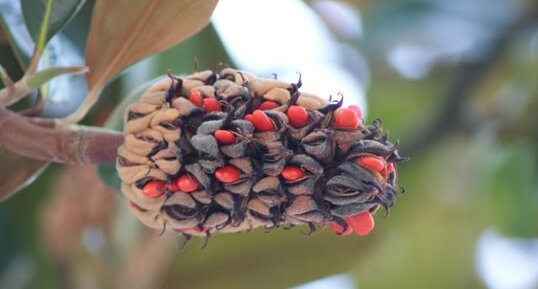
(481, 173)
(62, 12)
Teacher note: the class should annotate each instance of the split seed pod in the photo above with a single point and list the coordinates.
(242, 168)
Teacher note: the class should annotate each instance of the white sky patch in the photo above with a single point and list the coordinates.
(507, 263)
(325, 80)
(411, 61)
(343, 281)
(436, 38)
(66, 92)
(286, 37)
(341, 17)
(11, 11)
(265, 35)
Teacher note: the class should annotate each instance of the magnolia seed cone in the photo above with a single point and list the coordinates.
(170, 135)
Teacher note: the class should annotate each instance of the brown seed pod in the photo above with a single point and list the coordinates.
(270, 191)
(320, 144)
(260, 213)
(304, 209)
(149, 218)
(311, 101)
(181, 211)
(196, 171)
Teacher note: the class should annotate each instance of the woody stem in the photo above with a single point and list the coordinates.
(41, 139)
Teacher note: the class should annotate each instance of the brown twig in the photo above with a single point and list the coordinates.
(8, 83)
(41, 139)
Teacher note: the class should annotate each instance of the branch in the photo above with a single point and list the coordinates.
(14, 92)
(467, 78)
(8, 83)
(41, 139)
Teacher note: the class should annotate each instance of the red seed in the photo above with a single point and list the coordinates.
(211, 104)
(187, 183)
(372, 163)
(196, 98)
(267, 105)
(357, 110)
(261, 122)
(339, 229)
(153, 189)
(172, 187)
(388, 170)
(346, 118)
(362, 224)
(225, 137)
(297, 116)
(292, 173)
(250, 118)
(227, 174)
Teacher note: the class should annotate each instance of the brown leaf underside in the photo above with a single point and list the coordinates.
(16, 171)
(124, 31)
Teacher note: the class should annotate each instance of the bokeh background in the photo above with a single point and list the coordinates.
(456, 81)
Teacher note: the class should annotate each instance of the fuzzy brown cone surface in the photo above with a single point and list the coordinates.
(200, 157)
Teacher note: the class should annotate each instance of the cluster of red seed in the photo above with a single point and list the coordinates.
(191, 187)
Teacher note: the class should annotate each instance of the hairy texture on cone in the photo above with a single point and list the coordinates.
(201, 156)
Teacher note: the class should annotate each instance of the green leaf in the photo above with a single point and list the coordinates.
(43, 31)
(3, 36)
(44, 76)
(17, 172)
(13, 26)
(35, 10)
(28, 84)
(109, 176)
(116, 41)
(17, 33)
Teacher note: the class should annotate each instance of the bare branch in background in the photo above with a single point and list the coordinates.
(467, 78)
(72, 218)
